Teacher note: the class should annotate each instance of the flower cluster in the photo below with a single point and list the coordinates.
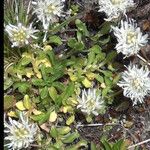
(114, 8)
(20, 35)
(48, 11)
(91, 102)
(20, 134)
(136, 83)
(129, 37)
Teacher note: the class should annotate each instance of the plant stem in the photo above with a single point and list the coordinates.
(140, 57)
(140, 143)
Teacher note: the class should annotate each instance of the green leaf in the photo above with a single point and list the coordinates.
(58, 145)
(104, 41)
(105, 29)
(58, 85)
(120, 144)
(64, 130)
(55, 39)
(111, 56)
(116, 79)
(91, 58)
(96, 37)
(52, 93)
(49, 81)
(100, 57)
(9, 101)
(74, 8)
(52, 57)
(41, 118)
(77, 146)
(89, 118)
(27, 102)
(71, 42)
(8, 83)
(81, 27)
(99, 78)
(68, 91)
(108, 81)
(93, 146)
(44, 92)
(96, 49)
(79, 46)
(38, 82)
(22, 86)
(106, 145)
(70, 120)
(64, 23)
(37, 117)
(43, 71)
(74, 44)
(25, 61)
(70, 137)
(105, 91)
(107, 73)
(54, 132)
(79, 36)
(123, 145)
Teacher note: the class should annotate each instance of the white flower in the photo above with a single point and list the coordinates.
(114, 8)
(20, 134)
(48, 11)
(20, 35)
(129, 37)
(90, 102)
(135, 83)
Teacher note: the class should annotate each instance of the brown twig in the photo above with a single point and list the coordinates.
(140, 57)
(140, 143)
(95, 125)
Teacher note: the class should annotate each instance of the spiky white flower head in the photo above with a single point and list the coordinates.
(135, 83)
(91, 102)
(114, 8)
(20, 35)
(48, 11)
(129, 37)
(20, 134)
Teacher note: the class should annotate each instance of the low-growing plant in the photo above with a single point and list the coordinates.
(57, 68)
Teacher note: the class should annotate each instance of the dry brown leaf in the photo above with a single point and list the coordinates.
(146, 25)
(45, 127)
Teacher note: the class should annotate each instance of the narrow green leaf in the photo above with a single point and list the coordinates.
(106, 145)
(99, 78)
(93, 146)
